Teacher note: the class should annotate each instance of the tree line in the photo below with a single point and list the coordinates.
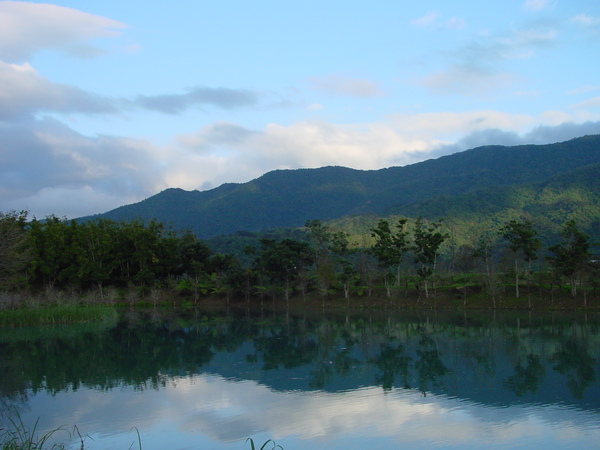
(405, 259)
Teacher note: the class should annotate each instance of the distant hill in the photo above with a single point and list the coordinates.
(483, 178)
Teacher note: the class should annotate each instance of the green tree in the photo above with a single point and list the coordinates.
(320, 238)
(281, 262)
(193, 257)
(14, 248)
(523, 242)
(146, 252)
(571, 255)
(331, 251)
(427, 242)
(95, 260)
(390, 248)
(324, 267)
(340, 248)
(484, 251)
(223, 269)
(52, 259)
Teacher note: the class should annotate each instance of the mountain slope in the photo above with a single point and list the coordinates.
(548, 204)
(290, 197)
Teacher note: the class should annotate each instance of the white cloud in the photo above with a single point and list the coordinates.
(583, 89)
(467, 80)
(477, 69)
(315, 107)
(443, 128)
(456, 23)
(339, 85)
(60, 201)
(209, 158)
(587, 104)
(308, 144)
(216, 412)
(426, 20)
(26, 28)
(550, 127)
(535, 5)
(26, 92)
(585, 20)
(223, 134)
(43, 160)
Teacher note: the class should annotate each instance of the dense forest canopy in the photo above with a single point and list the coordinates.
(406, 258)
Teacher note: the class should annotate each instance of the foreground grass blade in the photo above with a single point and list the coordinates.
(264, 446)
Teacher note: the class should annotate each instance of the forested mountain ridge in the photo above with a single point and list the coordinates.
(287, 198)
(574, 195)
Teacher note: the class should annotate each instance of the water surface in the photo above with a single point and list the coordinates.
(335, 381)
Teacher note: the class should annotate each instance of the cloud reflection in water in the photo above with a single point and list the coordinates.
(201, 410)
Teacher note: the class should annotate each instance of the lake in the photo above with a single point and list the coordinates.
(376, 380)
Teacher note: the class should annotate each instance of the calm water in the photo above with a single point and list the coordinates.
(327, 381)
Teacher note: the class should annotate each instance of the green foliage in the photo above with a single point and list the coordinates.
(331, 257)
(101, 253)
(281, 263)
(81, 256)
(20, 437)
(389, 247)
(14, 250)
(428, 240)
(522, 237)
(572, 254)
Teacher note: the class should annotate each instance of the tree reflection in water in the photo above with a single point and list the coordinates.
(495, 361)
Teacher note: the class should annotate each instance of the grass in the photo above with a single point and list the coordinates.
(264, 446)
(55, 315)
(19, 437)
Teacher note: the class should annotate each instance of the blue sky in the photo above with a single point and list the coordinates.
(107, 103)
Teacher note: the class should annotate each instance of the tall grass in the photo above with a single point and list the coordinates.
(55, 315)
(264, 446)
(20, 437)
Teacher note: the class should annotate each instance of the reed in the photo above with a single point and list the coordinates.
(20, 437)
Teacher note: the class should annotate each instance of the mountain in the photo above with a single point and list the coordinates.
(548, 205)
(287, 198)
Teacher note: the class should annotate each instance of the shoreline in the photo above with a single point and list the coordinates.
(78, 308)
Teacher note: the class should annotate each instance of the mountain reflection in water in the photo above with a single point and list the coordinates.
(349, 381)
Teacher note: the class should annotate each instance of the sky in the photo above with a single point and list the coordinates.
(107, 103)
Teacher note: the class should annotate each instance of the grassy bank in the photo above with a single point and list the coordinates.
(50, 315)
(54, 306)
